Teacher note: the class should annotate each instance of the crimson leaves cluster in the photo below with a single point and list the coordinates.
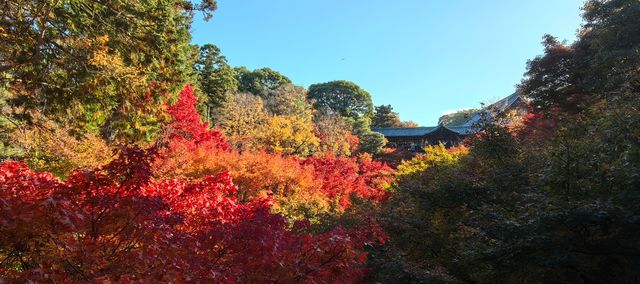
(118, 223)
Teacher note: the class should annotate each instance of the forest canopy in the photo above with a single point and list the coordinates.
(130, 154)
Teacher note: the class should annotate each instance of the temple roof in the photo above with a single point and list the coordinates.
(421, 131)
(469, 127)
(462, 130)
(498, 107)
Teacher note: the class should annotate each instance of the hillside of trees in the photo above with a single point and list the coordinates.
(128, 154)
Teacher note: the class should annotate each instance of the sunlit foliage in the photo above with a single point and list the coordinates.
(300, 188)
(100, 68)
(119, 224)
(290, 135)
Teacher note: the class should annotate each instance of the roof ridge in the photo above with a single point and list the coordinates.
(402, 127)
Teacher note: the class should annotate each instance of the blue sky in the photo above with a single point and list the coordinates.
(424, 57)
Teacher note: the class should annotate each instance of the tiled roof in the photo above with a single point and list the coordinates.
(494, 108)
(462, 130)
(420, 131)
(504, 103)
(404, 131)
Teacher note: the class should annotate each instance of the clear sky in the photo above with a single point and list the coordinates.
(424, 57)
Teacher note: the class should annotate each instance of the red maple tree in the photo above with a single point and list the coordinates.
(118, 223)
(186, 126)
(342, 178)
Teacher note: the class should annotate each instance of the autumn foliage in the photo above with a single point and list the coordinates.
(299, 188)
(186, 126)
(119, 223)
(117, 183)
(344, 178)
(188, 209)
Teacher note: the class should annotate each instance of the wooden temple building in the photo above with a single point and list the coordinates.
(416, 138)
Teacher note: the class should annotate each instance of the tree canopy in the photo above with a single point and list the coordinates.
(216, 77)
(384, 116)
(574, 76)
(343, 97)
(92, 65)
(259, 82)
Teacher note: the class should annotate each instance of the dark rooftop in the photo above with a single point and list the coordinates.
(420, 131)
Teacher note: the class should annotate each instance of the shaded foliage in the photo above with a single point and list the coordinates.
(605, 56)
(553, 199)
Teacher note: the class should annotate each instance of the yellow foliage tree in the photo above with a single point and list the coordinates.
(434, 155)
(51, 147)
(289, 135)
(240, 117)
